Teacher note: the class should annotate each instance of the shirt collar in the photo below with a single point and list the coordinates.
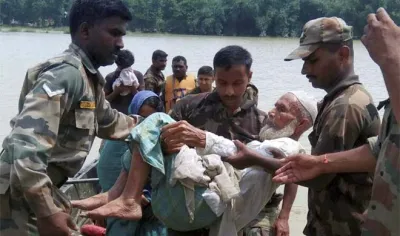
(245, 105)
(77, 51)
(343, 84)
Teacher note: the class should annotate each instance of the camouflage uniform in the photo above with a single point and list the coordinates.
(347, 118)
(206, 111)
(384, 208)
(196, 90)
(252, 93)
(263, 225)
(153, 81)
(61, 110)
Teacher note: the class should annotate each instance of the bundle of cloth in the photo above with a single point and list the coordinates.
(126, 77)
(197, 177)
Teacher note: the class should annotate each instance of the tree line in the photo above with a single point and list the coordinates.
(283, 18)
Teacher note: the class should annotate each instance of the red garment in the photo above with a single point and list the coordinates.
(93, 230)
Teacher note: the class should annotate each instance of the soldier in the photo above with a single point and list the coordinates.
(61, 109)
(346, 119)
(154, 78)
(381, 37)
(226, 112)
(205, 80)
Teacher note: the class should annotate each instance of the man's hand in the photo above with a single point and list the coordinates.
(281, 227)
(298, 168)
(243, 158)
(57, 224)
(381, 37)
(177, 134)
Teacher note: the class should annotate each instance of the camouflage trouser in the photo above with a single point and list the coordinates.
(263, 224)
(16, 218)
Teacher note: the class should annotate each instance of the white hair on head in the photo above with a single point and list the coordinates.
(308, 104)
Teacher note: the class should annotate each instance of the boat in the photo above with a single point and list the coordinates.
(83, 185)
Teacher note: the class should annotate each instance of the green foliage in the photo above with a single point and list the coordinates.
(283, 18)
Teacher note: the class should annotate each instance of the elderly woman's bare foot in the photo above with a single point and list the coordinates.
(91, 203)
(123, 208)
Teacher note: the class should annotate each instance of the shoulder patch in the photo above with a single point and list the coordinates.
(52, 93)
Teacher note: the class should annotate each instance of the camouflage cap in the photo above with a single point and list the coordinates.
(318, 31)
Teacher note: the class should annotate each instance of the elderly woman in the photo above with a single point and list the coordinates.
(110, 168)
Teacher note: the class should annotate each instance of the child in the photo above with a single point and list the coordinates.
(127, 76)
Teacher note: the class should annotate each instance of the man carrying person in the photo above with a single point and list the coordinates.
(207, 111)
(227, 111)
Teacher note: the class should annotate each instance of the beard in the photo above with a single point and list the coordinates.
(269, 132)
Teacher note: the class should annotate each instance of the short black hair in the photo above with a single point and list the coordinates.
(157, 54)
(125, 59)
(232, 55)
(155, 103)
(91, 11)
(206, 70)
(179, 58)
(334, 47)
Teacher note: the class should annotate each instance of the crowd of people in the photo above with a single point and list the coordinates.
(149, 122)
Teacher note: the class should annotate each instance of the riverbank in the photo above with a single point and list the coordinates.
(65, 30)
(7, 28)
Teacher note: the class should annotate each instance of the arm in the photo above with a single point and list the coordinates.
(140, 78)
(245, 157)
(289, 195)
(381, 37)
(341, 128)
(282, 222)
(391, 74)
(112, 95)
(304, 167)
(34, 135)
(361, 159)
(109, 92)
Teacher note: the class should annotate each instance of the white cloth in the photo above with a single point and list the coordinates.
(308, 102)
(126, 77)
(256, 186)
(191, 169)
(240, 196)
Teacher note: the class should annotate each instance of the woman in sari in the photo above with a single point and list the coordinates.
(110, 168)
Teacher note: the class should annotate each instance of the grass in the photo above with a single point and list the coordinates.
(7, 28)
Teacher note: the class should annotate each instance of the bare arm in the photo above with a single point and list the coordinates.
(289, 195)
(381, 38)
(305, 167)
(391, 74)
(110, 96)
(282, 222)
(356, 160)
(245, 157)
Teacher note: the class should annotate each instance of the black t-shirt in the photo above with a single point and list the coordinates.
(121, 103)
